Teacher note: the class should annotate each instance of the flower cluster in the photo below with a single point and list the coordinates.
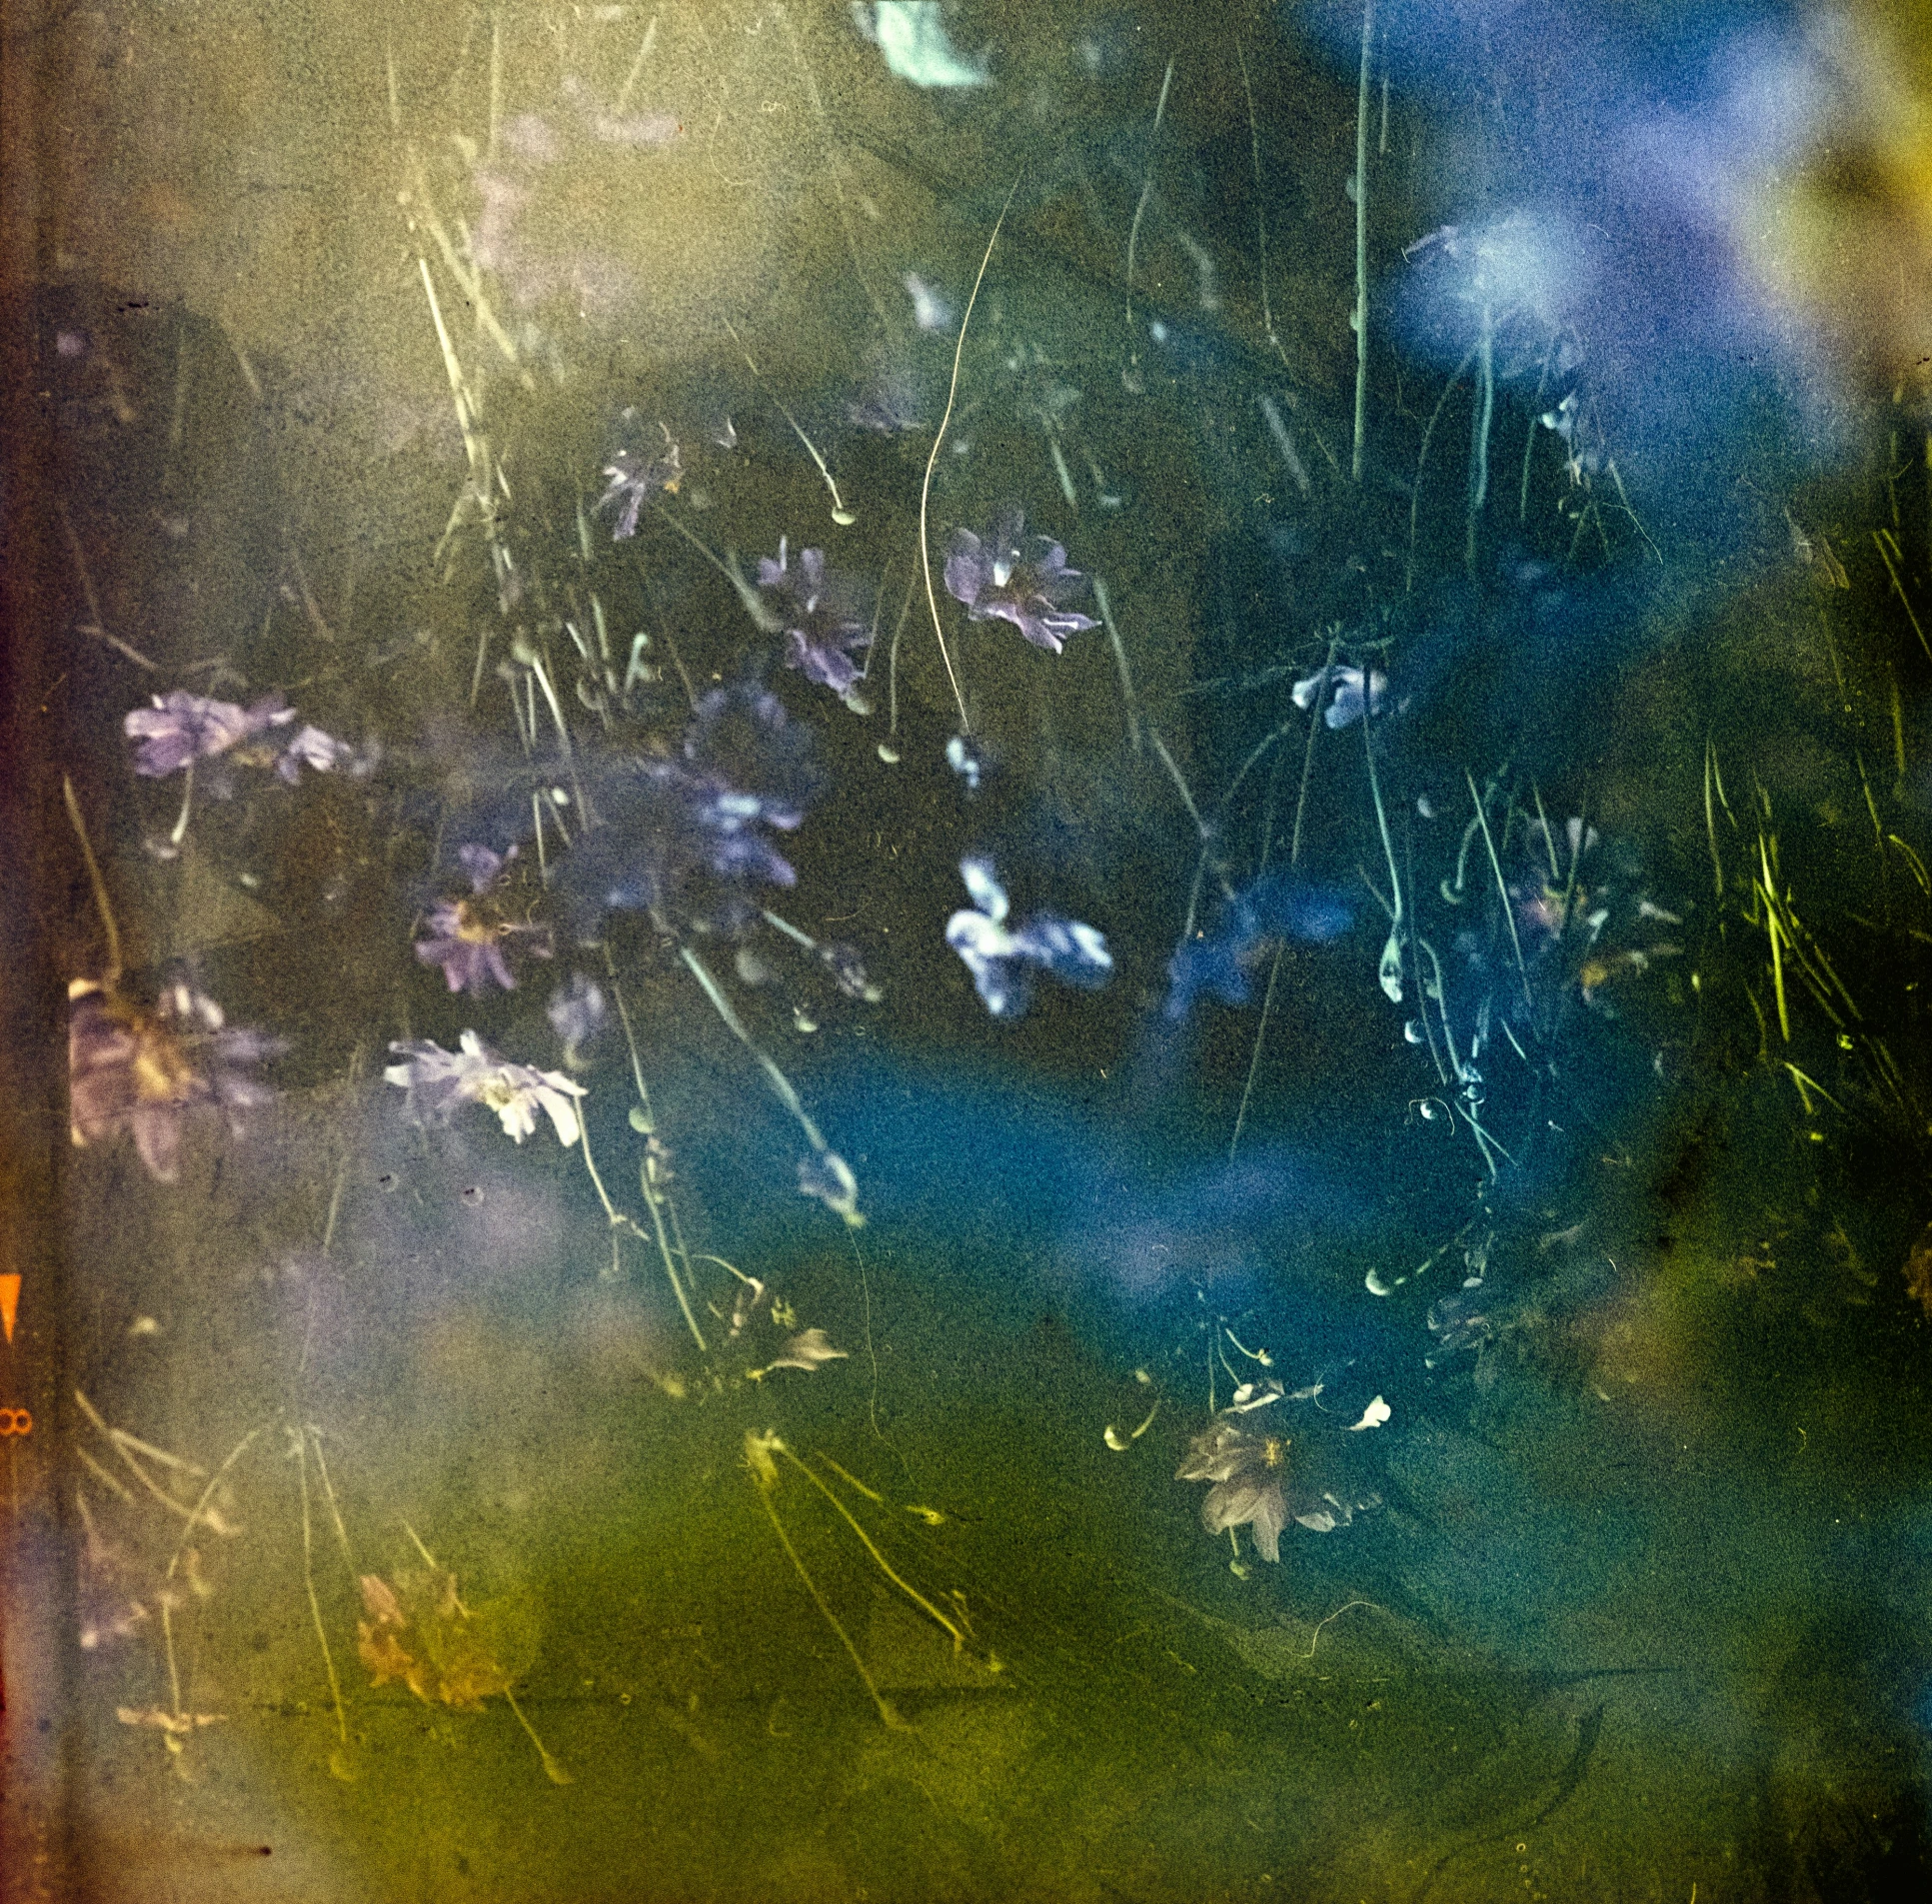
(181, 728)
(997, 959)
(1020, 579)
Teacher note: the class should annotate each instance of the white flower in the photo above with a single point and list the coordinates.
(439, 1080)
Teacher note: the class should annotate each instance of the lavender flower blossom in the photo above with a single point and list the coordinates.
(823, 628)
(143, 1071)
(683, 840)
(439, 1080)
(466, 935)
(181, 727)
(1075, 955)
(312, 748)
(1025, 582)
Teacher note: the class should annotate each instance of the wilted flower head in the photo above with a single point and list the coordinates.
(822, 622)
(1025, 581)
(466, 936)
(439, 1080)
(827, 1177)
(576, 1014)
(142, 1071)
(997, 959)
(181, 727)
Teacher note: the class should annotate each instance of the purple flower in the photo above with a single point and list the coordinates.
(181, 727)
(143, 1071)
(439, 1080)
(466, 936)
(312, 748)
(685, 839)
(1025, 582)
(822, 622)
(997, 959)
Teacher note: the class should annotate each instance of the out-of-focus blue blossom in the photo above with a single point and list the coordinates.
(143, 1071)
(466, 936)
(181, 727)
(999, 959)
(931, 311)
(439, 1081)
(1020, 579)
(637, 474)
(1276, 907)
(966, 759)
(822, 621)
(685, 840)
(911, 35)
(1347, 701)
(578, 1014)
(827, 1177)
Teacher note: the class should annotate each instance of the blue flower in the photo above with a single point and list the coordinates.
(1276, 907)
(999, 959)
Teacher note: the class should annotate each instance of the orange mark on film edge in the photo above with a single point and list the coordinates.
(9, 1303)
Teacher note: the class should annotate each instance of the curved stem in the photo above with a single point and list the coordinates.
(925, 486)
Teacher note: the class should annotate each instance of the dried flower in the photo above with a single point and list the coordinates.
(420, 1633)
(439, 1080)
(142, 1071)
(822, 622)
(1025, 582)
(809, 1350)
(578, 1014)
(1255, 1484)
(466, 936)
(1246, 1470)
(1075, 953)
